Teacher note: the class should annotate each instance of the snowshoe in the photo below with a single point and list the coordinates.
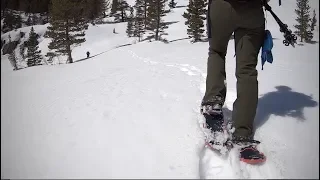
(215, 128)
(251, 155)
(248, 151)
(219, 136)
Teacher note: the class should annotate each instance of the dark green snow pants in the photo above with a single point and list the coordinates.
(246, 20)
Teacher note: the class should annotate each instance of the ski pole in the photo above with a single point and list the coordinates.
(290, 39)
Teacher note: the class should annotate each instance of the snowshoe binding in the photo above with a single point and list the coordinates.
(215, 128)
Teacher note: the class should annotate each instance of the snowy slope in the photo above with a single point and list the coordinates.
(133, 112)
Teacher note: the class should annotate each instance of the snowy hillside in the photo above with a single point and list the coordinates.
(133, 111)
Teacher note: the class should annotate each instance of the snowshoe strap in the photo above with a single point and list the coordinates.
(247, 143)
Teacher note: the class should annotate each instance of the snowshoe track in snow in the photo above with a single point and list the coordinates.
(211, 164)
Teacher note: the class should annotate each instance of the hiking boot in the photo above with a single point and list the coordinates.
(214, 123)
(214, 117)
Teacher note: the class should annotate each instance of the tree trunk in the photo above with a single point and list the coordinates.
(47, 18)
(122, 15)
(139, 36)
(145, 14)
(68, 43)
(158, 21)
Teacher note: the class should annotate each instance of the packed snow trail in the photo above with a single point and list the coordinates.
(212, 165)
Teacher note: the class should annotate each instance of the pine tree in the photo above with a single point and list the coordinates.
(34, 56)
(311, 28)
(143, 9)
(34, 19)
(313, 21)
(121, 15)
(12, 57)
(139, 19)
(195, 16)
(145, 12)
(155, 12)
(114, 6)
(129, 30)
(22, 50)
(29, 21)
(44, 17)
(172, 4)
(303, 18)
(67, 26)
(11, 21)
(105, 7)
(13, 60)
(95, 9)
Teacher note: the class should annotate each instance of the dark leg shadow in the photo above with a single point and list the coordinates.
(282, 102)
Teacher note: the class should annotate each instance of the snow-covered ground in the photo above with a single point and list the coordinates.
(133, 112)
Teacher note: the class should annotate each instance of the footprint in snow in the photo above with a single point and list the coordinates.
(190, 73)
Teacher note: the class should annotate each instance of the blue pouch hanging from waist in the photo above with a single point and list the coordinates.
(266, 54)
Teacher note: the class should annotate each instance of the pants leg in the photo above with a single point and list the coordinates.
(222, 25)
(249, 39)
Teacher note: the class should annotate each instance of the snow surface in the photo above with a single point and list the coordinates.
(133, 111)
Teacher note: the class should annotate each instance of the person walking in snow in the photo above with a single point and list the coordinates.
(244, 18)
